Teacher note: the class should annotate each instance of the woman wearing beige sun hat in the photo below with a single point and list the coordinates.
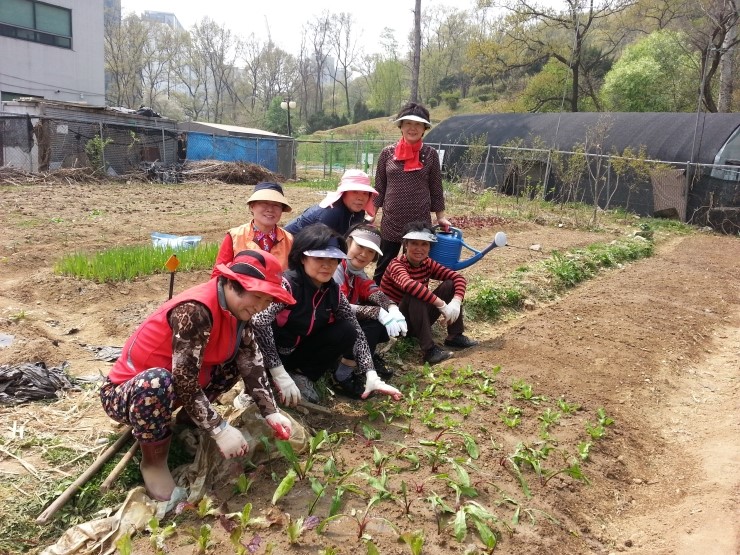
(267, 205)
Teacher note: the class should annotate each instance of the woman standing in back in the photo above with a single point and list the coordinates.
(408, 179)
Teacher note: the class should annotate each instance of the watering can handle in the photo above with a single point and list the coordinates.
(452, 230)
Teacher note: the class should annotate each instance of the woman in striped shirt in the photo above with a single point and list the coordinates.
(406, 282)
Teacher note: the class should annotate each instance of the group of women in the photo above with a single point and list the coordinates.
(286, 306)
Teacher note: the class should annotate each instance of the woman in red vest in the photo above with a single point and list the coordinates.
(193, 348)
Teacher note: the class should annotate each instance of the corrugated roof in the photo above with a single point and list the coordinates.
(227, 129)
(666, 136)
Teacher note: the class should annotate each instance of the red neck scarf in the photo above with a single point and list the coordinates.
(265, 240)
(409, 153)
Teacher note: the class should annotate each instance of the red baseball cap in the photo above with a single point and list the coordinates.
(257, 271)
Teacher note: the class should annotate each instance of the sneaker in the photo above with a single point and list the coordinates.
(306, 387)
(460, 342)
(383, 371)
(348, 382)
(436, 355)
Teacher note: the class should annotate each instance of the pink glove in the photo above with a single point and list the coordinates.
(281, 425)
(374, 383)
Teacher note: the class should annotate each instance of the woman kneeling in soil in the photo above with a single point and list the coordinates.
(406, 282)
(193, 348)
(308, 338)
(267, 205)
(379, 317)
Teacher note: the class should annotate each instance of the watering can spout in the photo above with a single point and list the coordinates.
(449, 246)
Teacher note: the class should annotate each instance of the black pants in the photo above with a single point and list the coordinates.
(420, 315)
(321, 350)
(375, 333)
(390, 251)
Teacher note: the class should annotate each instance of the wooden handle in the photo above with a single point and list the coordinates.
(116, 472)
(44, 517)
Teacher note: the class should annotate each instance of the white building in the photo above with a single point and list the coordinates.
(53, 50)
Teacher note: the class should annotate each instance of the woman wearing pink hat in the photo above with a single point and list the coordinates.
(193, 348)
(408, 179)
(349, 205)
(267, 205)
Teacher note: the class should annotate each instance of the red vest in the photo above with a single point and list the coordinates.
(150, 346)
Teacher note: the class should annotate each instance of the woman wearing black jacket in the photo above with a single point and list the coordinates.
(301, 342)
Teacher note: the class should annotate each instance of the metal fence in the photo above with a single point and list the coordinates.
(36, 144)
(701, 194)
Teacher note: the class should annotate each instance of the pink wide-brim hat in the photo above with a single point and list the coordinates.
(352, 180)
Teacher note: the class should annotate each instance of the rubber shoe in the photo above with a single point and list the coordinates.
(383, 371)
(460, 342)
(306, 387)
(348, 382)
(435, 355)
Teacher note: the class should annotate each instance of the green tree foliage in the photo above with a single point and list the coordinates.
(320, 121)
(546, 90)
(361, 112)
(388, 86)
(655, 74)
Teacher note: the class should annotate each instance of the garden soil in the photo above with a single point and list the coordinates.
(655, 343)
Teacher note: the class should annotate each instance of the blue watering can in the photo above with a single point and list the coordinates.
(448, 248)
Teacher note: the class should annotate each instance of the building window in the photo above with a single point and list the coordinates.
(36, 22)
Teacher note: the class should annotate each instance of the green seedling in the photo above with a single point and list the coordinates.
(124, 545)
(461, 485)
(486, 387)
(471, 447)
(361, 518)
(297, 527)
(573, 470)
(243, 483)
(302, 467)
(368, 432)
(285, 485)
(319, 489)
(415, 541)
(439, 508)
(567, 408)
(202, 537)
(604, 420)
(523, 390)
(405, 498)
(482, 520)
(159, 535)
(511, 416)
(549, 417)
(584, 450)
(379, 461)
(328, 551)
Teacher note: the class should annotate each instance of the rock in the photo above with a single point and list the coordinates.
(536, 247)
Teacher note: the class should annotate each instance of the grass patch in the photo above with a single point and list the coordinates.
(127, 263)
(562, 271)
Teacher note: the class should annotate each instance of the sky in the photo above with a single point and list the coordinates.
(285, 19)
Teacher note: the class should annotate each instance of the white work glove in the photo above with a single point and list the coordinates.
(289, 393)
(391, 325)
(374, 383)
(281, 425)
(451, 310)
(230, 440)
(399, 318)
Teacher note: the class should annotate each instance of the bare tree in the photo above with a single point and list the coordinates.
(125, 42)
(345, 50)
(318, 33)
(218, 50)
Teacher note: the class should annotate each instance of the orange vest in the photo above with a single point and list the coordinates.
(242, 237)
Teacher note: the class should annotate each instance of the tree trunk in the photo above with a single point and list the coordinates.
(417, 53)
(724, 103)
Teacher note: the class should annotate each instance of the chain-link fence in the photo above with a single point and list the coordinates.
(696, 193)
(42, 144)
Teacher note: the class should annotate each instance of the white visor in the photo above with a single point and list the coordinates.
(421, 236)
(413, 118)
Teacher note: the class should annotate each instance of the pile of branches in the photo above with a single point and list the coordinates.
(229, 172)
(14, 176)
